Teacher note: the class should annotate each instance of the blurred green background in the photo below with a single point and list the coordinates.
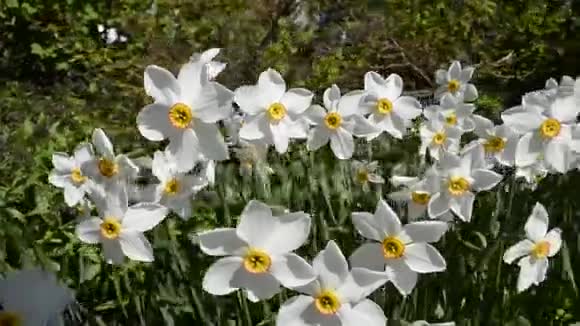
(59, 79)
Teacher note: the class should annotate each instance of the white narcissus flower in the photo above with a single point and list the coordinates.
(499, 142)
(460, 177)
(364, 173)
(273, 112)
(337, 122)
(185, 111)
(399, 252)
(259, 253)
(67, 174)
(547, 130)
(32, 298)
(455, 81)
(213, 67)
(176, 189)
(535, 250)
(337, 296)
(389, 111)
(417, 193)
(455, 113)
(119, 229)
(439, 137)
(533, 173)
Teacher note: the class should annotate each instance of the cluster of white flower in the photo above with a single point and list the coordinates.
(540, 136)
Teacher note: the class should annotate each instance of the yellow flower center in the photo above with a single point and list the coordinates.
(110, 228)
(276, 112)
(541, 249)
(8, 318)
(77, 176)
(180, 115)
(327, 302)
(457, 186)
(494, 145)
(421, 198)
(384, 106)
(453, 85)
(362, 176)
(393, 248)
(333, 120)
(107, 167)
(439, 138)
(257, 261)
(451, 119)
(172, 187)
(550, 128)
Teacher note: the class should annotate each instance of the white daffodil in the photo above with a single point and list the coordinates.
(499, 142)
(252, 158)
(119, 228)
(213, 67)
(176, 189)
(460, 177)
(547, 130)
(336, 297)
(455, 81)
(259, 253)
(455, 112)
(106, 168)
(32, 298)
(337, 122)
(67, 174)
(364, 174)
(416, 193)
(185, 111)
(399, 252)
(389, 111)
(439, 137)
(272, 110)
(535, 250)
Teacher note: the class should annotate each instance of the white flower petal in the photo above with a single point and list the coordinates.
(331, 96)
(292, 270)
(361, 283)
(349, 103)
(289, 232)
(143, 217)
(470, 93)
(554, 238)
(331, 266)
(369, 255)
(424, 258)
(532, 271)
(387, 219)
(246, 97)
(556, 155)
(153, 122)
(407, 107)
(466, 74)
(136, 246)
(485, 179)
(218, 277)
(185, 148)
(372, 313)
(362, 127)
(112, 252)
(318, 137)
(102, 143)
(62, 162)
(73, 195)
(291, 312)
(255, 218)
(522, 121)
(425, 231)
(528, 150)
(213, 104)
(342, 144)
(463, 206)
(89, 230)
(537, 224)
(221, 242)
(365, 224)
(272, 86)
(257, 286)
(297, 100)
(161, 85)
(280, 135)
(518, 250)
(402, 277)
(211, 142)
(255, 128)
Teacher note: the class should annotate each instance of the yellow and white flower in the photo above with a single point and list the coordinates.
(272, 111)
(499, 142)
(455, 113)
(337, 296)
(455, 81)
(259, 253)
(67, 174)
(119, 228)
(176, 189)
(389, 111)
(439, 137)
(460, 177)
(399, 252)
(105, 168)
(546, 126)
(363, 174)
(185, 111)
(32, 298)
(535, 250)
(337, 122)
(214, 68)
